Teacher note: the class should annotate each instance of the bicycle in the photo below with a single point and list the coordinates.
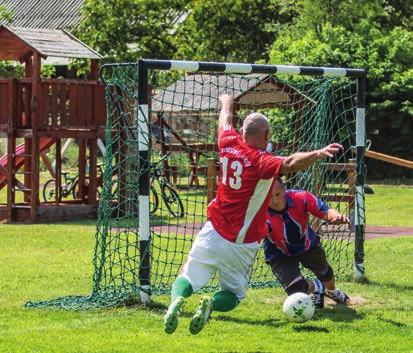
(70, 186)
(168, 193)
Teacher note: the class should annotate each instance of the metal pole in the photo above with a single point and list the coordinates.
(143, 146)
(359, 269)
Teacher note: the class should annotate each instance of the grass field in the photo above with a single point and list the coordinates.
(390, 206)
(46, 261)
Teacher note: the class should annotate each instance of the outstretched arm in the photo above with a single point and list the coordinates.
(226, 113)
(302, 160)
(335, 217)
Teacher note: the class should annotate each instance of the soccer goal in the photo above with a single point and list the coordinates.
(162, 164)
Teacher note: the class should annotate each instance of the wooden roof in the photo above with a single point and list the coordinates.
(49, 14)
(16, 43)
(200, 92)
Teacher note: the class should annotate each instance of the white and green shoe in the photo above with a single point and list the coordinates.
(201, 316)
(170, 320)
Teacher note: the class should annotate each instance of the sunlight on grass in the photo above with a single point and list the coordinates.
(46, 261)
(390, 206)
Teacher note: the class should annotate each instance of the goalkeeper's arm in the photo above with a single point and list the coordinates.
(334, 217)
(226, 114)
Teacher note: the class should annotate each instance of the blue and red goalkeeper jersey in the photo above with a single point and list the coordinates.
(290, 233)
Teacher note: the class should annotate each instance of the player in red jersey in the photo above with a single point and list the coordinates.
(228, 242)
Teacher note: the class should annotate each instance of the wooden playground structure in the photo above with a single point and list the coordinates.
(41, 113)
(37, 114)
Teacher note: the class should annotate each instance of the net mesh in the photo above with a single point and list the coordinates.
(305, 114)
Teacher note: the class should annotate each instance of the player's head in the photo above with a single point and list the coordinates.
(278, 201)
(256, 130)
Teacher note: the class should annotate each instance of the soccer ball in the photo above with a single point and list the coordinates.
(298, 307)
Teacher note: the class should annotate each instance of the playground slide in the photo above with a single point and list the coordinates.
(45, 144)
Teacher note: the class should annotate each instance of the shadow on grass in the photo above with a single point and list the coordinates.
(338, 313)
(159, 308)
(391, 322)
(310, 328)
(390, 285)
(268, 322)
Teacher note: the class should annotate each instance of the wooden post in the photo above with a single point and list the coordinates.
(211, 179)
(352, 185)
(193, 162)
(94, 70)
(11, 149)
(316, 224)
(389, 159)
(48, 164)
(82, 169)
(58, 171)
(35, 108)
(27, 124)
(92, 172)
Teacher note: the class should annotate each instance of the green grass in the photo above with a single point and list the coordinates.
(390, 206)
(46, 261)
(40, 262)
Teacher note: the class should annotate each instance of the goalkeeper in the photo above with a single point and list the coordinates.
(228, 242)
(292, 241)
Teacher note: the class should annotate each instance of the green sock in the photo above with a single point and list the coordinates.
(181, 288)
(224, 300)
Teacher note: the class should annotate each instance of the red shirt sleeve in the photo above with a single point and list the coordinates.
(314, 205)
(269, 166)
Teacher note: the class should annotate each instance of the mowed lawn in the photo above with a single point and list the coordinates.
(46, 261)
(390, 205)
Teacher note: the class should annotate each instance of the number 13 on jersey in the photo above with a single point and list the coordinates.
(236, 167)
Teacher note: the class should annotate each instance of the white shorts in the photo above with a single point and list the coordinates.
(211, 252)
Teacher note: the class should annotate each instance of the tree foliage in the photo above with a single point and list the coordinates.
(232, 30)
(126, 30)
(5, 14)
(375, 35)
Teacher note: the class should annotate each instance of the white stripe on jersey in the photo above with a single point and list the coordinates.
(254, 205)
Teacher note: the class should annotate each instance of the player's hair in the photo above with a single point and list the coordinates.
(255, 123)
(280, 180)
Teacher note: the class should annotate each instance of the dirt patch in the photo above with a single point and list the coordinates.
(373, 232)
(355, 300)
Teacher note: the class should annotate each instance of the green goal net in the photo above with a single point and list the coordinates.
(161, 165)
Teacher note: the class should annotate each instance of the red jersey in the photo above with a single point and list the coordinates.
(247, 175)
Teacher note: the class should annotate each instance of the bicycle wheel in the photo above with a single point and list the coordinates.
(75, 190)
(153, 200)
(49, 190)
(172, 200)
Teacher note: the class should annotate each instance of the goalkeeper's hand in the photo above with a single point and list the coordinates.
(339, 219)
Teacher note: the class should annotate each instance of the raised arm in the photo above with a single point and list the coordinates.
(302, 160)
(226, 114)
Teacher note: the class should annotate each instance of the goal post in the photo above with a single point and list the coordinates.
(240, 68)
(161, 157)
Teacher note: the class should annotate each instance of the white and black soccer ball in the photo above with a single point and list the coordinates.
(298, 307)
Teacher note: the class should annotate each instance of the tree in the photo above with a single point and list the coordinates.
(126, 30)
(232, 30)
(375, 35)
(5, 14)
(6, 69)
